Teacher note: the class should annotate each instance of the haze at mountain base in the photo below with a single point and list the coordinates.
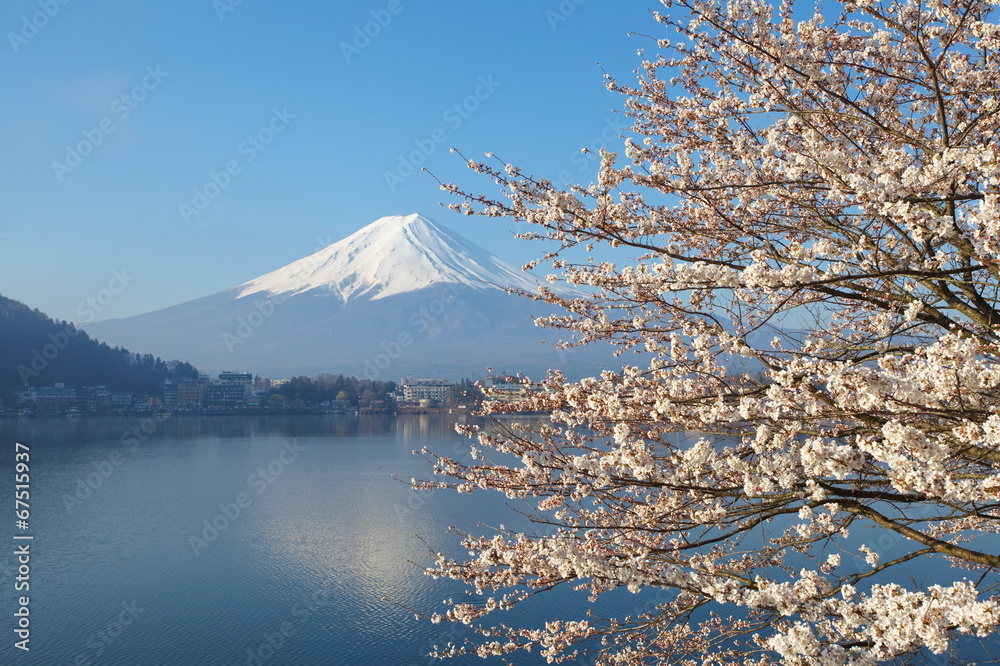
(401, 296)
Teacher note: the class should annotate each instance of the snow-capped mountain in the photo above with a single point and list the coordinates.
(392, 255)
(401, 296)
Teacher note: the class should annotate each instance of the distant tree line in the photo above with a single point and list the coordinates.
(36, 350)
(366, 394)
(465, 392)
(362, 393)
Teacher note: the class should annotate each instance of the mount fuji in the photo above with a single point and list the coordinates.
(401, 296)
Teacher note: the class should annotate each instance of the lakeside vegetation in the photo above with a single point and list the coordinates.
(36, 350)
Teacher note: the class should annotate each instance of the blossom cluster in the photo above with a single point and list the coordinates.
(800, 249)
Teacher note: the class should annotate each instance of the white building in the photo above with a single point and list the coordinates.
(416, 389)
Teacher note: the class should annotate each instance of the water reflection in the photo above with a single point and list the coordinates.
(316, 542)
(429, 426)
(317, 545)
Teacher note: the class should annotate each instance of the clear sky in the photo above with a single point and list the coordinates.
(117, 114)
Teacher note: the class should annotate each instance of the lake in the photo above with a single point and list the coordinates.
(250, 540)
(235, 540)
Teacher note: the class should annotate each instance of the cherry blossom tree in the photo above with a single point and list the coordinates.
(804, 229)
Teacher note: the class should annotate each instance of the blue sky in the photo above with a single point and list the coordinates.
(117, 114)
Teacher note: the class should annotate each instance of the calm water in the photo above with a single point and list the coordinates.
(306, 534)
(248, 541)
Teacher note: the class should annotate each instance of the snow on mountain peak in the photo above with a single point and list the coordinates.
(392, 255)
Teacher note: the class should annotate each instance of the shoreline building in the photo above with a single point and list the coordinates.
(416, 389)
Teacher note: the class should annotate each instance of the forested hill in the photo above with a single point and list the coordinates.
(36, 350)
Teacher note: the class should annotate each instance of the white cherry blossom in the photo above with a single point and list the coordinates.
(796, 256)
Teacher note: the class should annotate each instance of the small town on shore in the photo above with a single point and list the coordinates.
(244, 393)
